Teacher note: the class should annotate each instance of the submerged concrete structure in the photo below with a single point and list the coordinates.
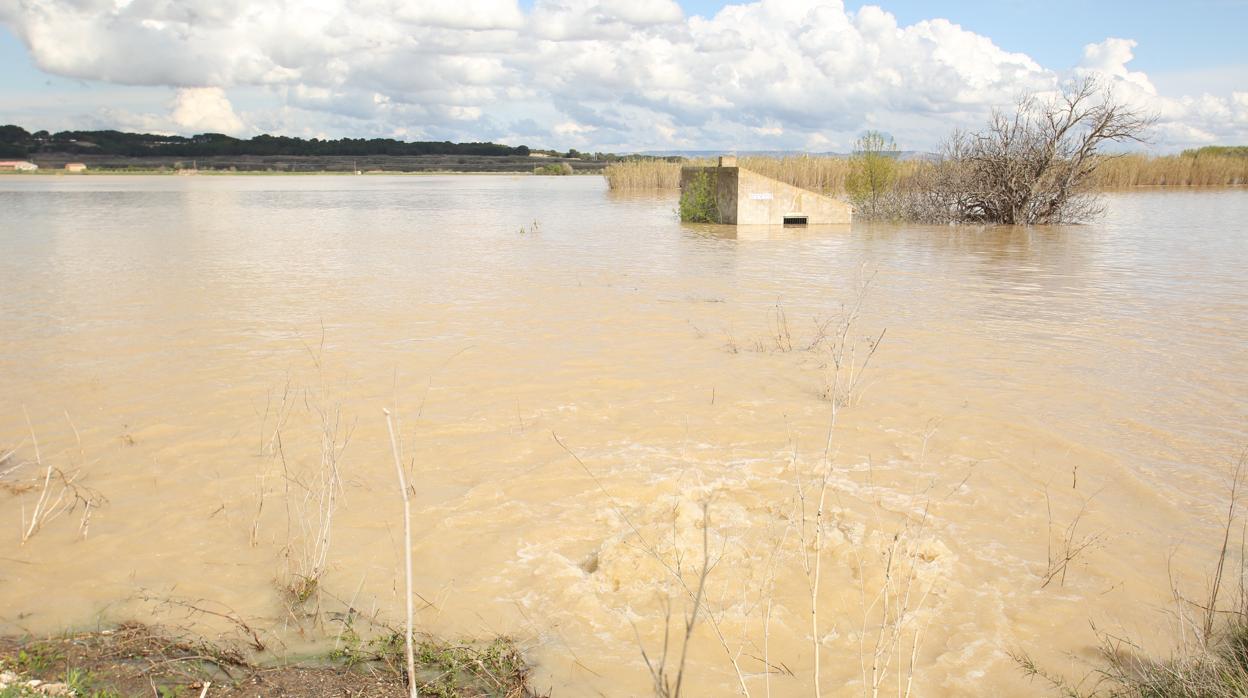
(744, 197)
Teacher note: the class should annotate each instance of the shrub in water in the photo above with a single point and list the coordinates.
(697, 200)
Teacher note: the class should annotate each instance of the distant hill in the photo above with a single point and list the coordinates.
(17, 142)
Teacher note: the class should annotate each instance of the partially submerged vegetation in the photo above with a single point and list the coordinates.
(873, 172)
(1034, 164)
(56, 490)
(1210, 653)
(698, 199)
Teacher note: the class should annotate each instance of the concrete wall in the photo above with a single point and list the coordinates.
(726, 193)
(748, 198)
(765, 201)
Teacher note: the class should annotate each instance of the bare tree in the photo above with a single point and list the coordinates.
(1033, 166)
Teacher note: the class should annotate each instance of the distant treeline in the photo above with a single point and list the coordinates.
(17, 142)
(1230, 151)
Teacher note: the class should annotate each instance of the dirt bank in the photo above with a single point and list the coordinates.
(140, 660)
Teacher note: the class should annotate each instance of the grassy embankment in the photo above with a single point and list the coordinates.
(140, 660)
(1204, 167)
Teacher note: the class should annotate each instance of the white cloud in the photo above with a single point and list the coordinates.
(564, 20)
(1109, 58)
(571, 128)
(461, 14)
(642, 12)
(1183, 120)
(463, 113)
(624, 73)
(205, 109)
(1239, 101)
(817, 142)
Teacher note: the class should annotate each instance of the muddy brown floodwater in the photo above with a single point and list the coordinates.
(186, 344)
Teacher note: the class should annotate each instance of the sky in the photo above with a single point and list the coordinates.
(614, 75)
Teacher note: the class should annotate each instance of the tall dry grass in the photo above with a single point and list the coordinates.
(827, 174)
(814, 172)
(644, 174)
(1188, 169)
(817, 173)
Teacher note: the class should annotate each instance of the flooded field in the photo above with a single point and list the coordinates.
(206, 352)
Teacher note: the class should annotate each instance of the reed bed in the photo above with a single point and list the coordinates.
(1186, 170)
(644, 174)
(818, 173)
(827, 174)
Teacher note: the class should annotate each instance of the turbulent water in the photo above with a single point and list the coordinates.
(204, 353)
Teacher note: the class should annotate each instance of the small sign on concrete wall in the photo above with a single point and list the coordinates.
(761, 196)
